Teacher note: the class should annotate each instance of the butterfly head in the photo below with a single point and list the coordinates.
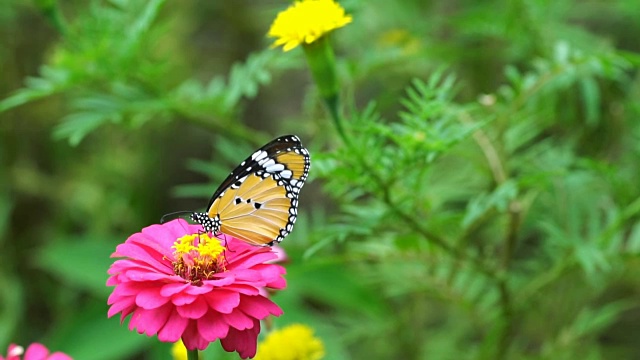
(211, 225)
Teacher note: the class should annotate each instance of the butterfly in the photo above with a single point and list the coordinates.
(258, 201)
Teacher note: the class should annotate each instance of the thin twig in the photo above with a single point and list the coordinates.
(489, 151)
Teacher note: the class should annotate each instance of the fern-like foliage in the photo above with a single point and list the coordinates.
(114, 72)
(475, 205)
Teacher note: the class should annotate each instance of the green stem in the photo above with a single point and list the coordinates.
(515, 212)
(500, 175)
(333, 105)
(322, 64)
(192, 354)
(506, 325)
(506, 301)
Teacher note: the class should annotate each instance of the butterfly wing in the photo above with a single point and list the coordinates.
(258, 201)
(286, 150)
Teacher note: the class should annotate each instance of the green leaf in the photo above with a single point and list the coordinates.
(591, 321)
(497, 200)
(591, 96)
(328, 283)
(51, 81)
(79, 262)
(91, 335)
(78, 125)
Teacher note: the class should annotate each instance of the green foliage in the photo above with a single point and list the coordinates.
(110, 80)
(478, 200)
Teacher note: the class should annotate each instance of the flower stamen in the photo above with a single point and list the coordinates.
(197, 257)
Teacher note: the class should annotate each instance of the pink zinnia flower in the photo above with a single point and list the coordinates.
(35, 351)
(179, 283)
(281, 255)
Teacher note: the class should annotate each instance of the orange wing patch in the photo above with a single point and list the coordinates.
(259, 233)
(255, 211)
(295, 162)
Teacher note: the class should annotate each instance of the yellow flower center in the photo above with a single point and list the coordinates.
(197, 257)
(293, 342)
(305, 21)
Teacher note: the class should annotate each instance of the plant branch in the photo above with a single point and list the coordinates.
(383, 188)
(506, 330)
(514, 213)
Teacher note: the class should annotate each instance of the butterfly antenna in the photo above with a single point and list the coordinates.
(174, 215)
(226, 244)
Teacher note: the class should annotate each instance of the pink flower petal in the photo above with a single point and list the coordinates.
(59, 356)
(173, 288)
(192, 339)
(14, 352)
(281, 255)
(150, 298)
(279, 283)
(183, 298)
(250, 275)
(144, 275)
(270, 271)
(36, 351)
(149, 322)
(251, 258)
(131, 288)
(166, 234)
(242, 341)
(259, 307)
(212, 326)
(221, 280)
(195, 310)
(238, 320)
(243, 289)
(173, 329)
(156, 258)
(120, 306)
(223, 301)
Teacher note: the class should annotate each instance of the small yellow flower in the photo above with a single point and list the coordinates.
(294, 342)
(178, 351)
(402, 40)
(306, 21)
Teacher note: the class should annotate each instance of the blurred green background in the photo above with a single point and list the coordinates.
(485, 205)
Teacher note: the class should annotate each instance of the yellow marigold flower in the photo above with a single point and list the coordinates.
(178, 351)
(294, 342)
(305, 21)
